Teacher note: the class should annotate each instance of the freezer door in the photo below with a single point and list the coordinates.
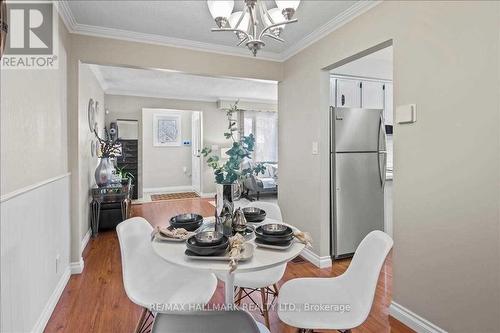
(356, 129)
(359, 200)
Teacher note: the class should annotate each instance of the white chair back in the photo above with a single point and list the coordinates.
(137, 254)
(273, 211)
(362, 274)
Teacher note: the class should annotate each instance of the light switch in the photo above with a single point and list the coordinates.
(315, 148)
(406, 114)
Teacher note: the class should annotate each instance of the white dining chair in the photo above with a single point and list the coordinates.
(265, 281)
(207, 322)
(339, 303)
(151, 282)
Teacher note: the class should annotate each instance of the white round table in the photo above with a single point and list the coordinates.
(173, 252)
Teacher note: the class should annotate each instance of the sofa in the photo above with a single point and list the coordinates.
(255, 185)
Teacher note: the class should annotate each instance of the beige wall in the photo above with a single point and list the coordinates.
(446, 191)
(88, 88)
(163, 166)
(34, 134)
(214, 123)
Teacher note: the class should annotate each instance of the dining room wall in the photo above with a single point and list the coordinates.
(446, 256)
(35, 191)
(214, 124)
(89, 88)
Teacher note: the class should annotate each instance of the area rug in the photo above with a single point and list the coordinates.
(174, 196)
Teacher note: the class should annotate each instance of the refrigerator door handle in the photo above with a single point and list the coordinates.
(381, 128)
(381, 169)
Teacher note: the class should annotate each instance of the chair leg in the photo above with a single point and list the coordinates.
(258, 196)
(265, 310)
(239, 296)
(144, 324)
(276, 290)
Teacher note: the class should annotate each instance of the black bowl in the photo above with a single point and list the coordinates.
(287, 233)
(275, 229)
(253, 217)
(207, 250)
(208, 238)
(190, 222)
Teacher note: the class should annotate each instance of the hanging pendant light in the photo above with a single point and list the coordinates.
(246, 23)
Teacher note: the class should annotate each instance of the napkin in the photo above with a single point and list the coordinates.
(303, 237)
(236, 244)
(179, 233)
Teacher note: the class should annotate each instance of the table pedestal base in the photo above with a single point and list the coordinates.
(229, 291)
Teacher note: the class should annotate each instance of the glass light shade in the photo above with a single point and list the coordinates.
(235, 17)
(285, 4)
(277, 17)
(219, 8)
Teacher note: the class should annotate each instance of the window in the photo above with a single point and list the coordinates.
(264, 126)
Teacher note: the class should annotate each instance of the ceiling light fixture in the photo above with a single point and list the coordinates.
(245, 24)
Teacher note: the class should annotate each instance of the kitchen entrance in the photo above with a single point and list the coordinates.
(361, 154)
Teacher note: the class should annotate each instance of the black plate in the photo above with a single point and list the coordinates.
(274, 239)
(263, 241)
(206, 250)
(287, 233)
(194, 254)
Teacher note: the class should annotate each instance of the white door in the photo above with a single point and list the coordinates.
(348, 93)
(372, 95)
(197, 146)
(388, 113)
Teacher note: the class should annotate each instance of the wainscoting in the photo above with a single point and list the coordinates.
(35, 243)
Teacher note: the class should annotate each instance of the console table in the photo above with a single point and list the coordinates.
(113, 193)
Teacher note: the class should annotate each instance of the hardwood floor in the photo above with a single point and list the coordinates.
(95, 300)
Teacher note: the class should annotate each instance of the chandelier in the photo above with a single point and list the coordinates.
(245, 24)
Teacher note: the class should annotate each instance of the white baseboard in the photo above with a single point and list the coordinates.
(320, 262)
(85, 241)
(51, 303)
(207, 195)
(77, 267)
(168, 189)
(412, 320)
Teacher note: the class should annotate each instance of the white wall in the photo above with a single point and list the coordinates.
(88, 88)
(446, 255)
(35, 193)
(164, 166)
(214, 123)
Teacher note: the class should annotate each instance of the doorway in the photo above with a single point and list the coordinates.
(197, 146)
(361, 115)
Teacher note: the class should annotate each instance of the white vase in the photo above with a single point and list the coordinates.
(104, 172)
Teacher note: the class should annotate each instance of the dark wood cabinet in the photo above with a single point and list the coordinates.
(129, 162)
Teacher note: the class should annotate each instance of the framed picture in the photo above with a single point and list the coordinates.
(167, 129)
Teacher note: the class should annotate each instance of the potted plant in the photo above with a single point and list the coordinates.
(228, 174)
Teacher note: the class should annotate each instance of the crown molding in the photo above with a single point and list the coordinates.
(98, 75)
(136, 93)
(343, 18)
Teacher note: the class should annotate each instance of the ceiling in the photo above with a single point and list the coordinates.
(175, 85)
(188, 23)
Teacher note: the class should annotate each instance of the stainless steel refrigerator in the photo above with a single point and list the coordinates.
(358, 160)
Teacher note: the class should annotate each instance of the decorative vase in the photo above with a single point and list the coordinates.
(224, 208)
(104, 172)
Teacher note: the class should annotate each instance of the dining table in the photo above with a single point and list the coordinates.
(263, 258)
